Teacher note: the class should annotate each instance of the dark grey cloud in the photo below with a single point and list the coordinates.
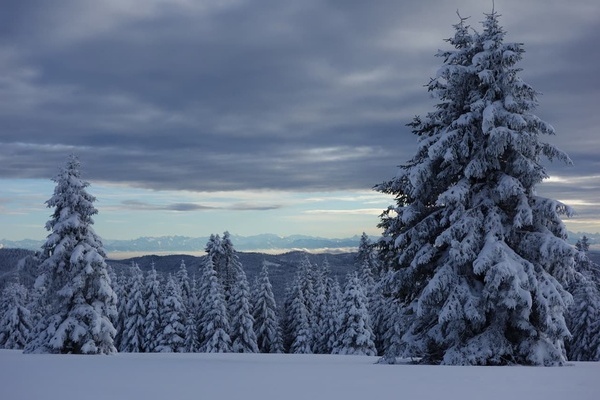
(184, 207)
(144, 206)
(233, 95)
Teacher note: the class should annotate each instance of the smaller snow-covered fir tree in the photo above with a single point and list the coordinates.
(355, 334)
(184, 283)
(173, 333)
(28, 269)
(191, 345)
(37, 305)
(366, 260)
(80, 299)
(286, 322)
(132, 338)
(305, 280)
(322, 286)
(393, 324)
(584, 321)
(123, 287)
(225, 260)
(152, 300)
(583, 244)
(584, 315)
(331, 329)
(15, 318)
(192, 342)
(242, 335)
(266, 324)
(301, 331)
(114, 283)
(215, 322)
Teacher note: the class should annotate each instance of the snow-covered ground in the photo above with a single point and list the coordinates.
(279, 376)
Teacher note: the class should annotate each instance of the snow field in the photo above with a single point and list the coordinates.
(160, 376)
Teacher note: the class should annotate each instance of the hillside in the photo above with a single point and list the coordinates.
(282, 267)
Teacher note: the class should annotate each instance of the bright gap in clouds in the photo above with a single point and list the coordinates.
(126, 212)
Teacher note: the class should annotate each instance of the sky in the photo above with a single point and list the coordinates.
(193, 117)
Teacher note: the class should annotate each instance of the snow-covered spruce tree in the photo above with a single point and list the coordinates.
(583, 244)
(320, 312)
(480, 260)
(264, 311)
(584, 314)
(214, 248)
(123, 288)
(192, 342)
(204, 287)
(214, 326)
(366, 259)
(15, 318)
(300, 329)
(331, 327)
(132, 338)
(305, 280)
(152, 300)
(114, 283)
(225, 260)
(191, 345)
(584, 321)
(243, 338)
(28, 269)
(355, 334)
(393, 324)
(80, 299)
(184, 283)
(172, 311)
(286, 323)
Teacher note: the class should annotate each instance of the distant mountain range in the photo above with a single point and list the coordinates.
(264, 243)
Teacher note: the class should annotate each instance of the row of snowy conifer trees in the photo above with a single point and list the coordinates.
(176, 313)
(218, 312)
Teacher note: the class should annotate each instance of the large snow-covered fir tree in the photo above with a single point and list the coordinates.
(479, 258)
(15, 318)
(264, 311)
(81, 301)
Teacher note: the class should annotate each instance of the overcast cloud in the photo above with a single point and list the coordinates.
(285, 95)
